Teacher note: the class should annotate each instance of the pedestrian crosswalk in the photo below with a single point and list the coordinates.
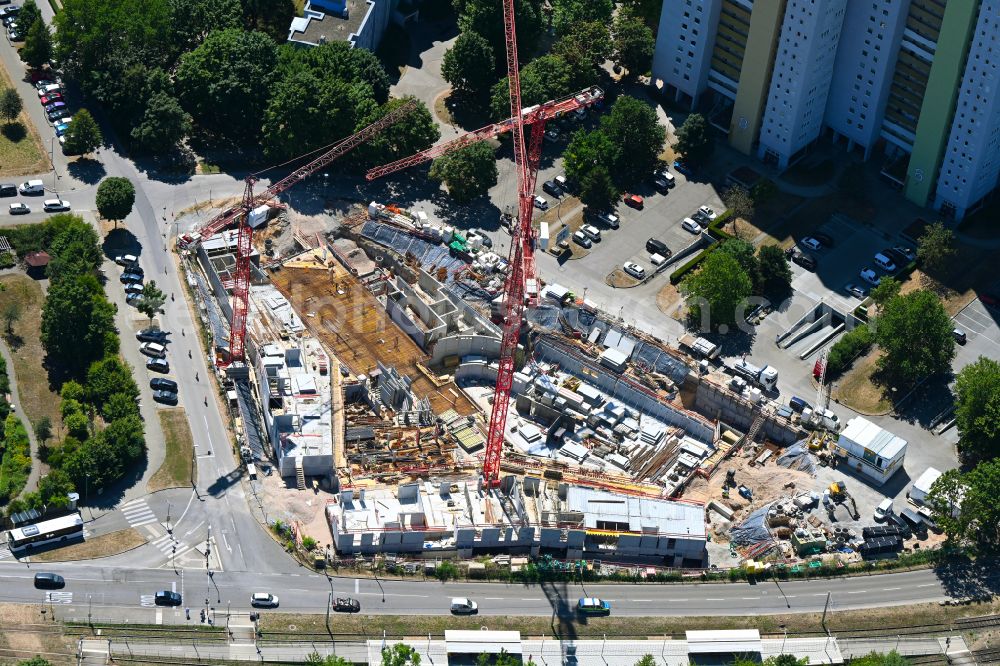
(138, 513)
(168, 545)
(5, 553)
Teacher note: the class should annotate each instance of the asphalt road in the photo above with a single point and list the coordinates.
(117, 593)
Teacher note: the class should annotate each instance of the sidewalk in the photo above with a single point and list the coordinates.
(36, 463)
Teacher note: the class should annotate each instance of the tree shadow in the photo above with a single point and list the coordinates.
(963, 578)
(13, 340)
(175, 167)
(14, 132)
(87, 170)
(925, 404)
(121, 241)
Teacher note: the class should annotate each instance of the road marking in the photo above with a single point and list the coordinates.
(138, 513)
(529, 599)
(679, 600)
(859, 591)
(226, 541)
(147, 600)
(789, 596)
(494, 598)
(928, 585)
(357, 583)
(644, 600)
(891, 589)
(190, 531)
(750, 598)
(823, 594)
(159, 616)
(714, 599)
(59, 597)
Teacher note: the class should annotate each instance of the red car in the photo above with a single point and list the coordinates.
(990, 299)
(633, 200)
(51, 97)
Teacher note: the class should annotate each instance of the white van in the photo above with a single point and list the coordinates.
(657, 259)
(154, 349)
(884, 262)
(32, 187)
(883, 510)
(464, 606)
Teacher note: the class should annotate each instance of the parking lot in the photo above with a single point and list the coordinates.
(982, 333)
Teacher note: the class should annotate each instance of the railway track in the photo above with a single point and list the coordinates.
(991, 656)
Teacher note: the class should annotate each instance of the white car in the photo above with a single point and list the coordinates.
(126, 259)
(263, 600)
(870, 276)
(592, 231)
(691, 225)
(462, 606)
(810, 243)
(635, 270)
(707, 212)
(55, 205)
(18, 208)
(906, 252)
(541, 203)
(609, 219)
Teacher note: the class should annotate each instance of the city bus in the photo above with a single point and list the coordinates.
(55, 530)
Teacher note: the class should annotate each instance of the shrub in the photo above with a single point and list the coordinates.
(691, 264)
(446, 571)
(308, 543)
(849, 347)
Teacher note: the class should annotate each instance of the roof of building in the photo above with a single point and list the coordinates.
(37, 259)
(305, 397)
(482, 642)
(927, 479)
(724, 641)
(879, 441)
(318, 27)
(431, 507)
(641, 514)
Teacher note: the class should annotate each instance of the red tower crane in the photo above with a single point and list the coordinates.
(240, 214)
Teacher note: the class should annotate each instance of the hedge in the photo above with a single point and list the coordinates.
(716, 232)
(852, 345)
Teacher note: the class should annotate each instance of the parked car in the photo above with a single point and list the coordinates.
(897, 257)
(152, 335)
(959, 336)
(128, 278)
(609, 219)
(635, 270)
(14, 33)
(346, 605)
(57, 114)
(18, 208)
(158, 364)
(10, 11)
(541, 203)
(163, 384)
(125, 259)
(134, 288)
(55, 205)
(153, 349)
(165, 397)
(633, 200)
(656, 246)
(870, 276)
(825, 239)
(61, 128)
(48, 88)
(885, 263)
(49, 581)
(552, 135)
(8, 190)
(682, 168)
(690, 225)
(906, 252)
(593, 606)
(263, 600)
(806, 261)
(592, 231)
(552, 188)
(708, 212)
(167, 598)
(811, 243)
(582, 239)
(44, 83)
(137, 269)
(462, 606)
(52, 106)
(856, 291)
(52, 97)
(661, 184)
(133, 299)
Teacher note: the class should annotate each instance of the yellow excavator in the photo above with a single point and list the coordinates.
(838, 494)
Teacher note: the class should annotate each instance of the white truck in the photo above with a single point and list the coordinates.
(766, 377)
(699, 347)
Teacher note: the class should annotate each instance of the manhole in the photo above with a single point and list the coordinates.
(292, 627)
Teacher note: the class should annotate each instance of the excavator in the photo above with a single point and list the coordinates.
(837, 494)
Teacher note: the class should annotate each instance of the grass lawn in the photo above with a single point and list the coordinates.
(105, 545)
(206, 167)
(273, 624)
(21, 150)
(175, 472)
(856, 390)
(34, 394)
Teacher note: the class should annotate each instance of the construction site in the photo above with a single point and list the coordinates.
(420, 395)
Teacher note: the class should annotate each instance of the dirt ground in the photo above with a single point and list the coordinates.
(670, 301)
(286, 503)
(767, 483)
(620, 279)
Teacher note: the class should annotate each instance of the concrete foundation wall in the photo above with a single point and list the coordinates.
(713, 399)
(465, 345)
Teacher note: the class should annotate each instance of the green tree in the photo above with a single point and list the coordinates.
(850, 346)
(107, 377)
(10, 105)
(315, 659)
(151, 300)
(945, 502)
(468, 173)
(11, 315)
(716, 290)
(225, 83)
(43, 429)
(738, 200)
(503, 659)
(73, 390)
(646, 660)
(125, 437)
(94, 465)
(633, 43)
(587, 151)
(269, 16)
(306, 113)
(694, 143)
(469, 65)
(598, 190)
(888, 288)
(568, 13)
(590, 40)
(83, 135)
(632, 126)
(649, 10)
(743, 252)
(77, 425)
(410, 134)
(786, 660)
(118, 406)
(29, 15)
(486, 18)
(935, 246)
(76, 323)
(163, 125)
(34, 661)
(400, 654)
(977, 409)
(975, 493)
(74, 247)
(54, 487)
(193, 20)
(542, 79)
(338, 61)
(115, 198)
(914, 331)
(37, 49)
(775, 273)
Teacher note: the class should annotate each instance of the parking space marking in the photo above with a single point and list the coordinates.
(147, 600)
(59, 597)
